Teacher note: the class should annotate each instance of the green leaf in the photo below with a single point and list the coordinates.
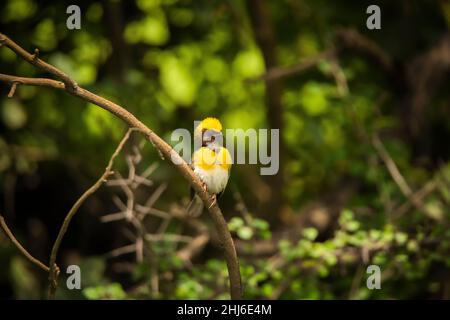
(245, 233)
(401, 238)
(310, 233)
(177, 81)
(112, 291)
(314, 98)
(260, 224)
(152, 30)
(249, 63)
(14, 115)
(235, 223)
(17, 10)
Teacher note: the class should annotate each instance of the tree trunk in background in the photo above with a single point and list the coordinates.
(119, 61)
(113, 18)
(425, 75)
(265, 37)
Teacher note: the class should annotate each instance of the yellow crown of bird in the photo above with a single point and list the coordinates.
(209, 123)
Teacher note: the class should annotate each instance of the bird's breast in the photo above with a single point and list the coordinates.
(215, 179)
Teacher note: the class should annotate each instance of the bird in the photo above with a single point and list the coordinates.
(211, 163)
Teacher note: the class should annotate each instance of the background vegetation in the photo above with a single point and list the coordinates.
(365, 123)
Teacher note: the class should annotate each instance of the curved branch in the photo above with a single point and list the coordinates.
(280, 72)
(53, 272)
(24, 251)
(351, 39)
(164, 148)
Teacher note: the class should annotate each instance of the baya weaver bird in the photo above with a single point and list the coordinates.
(211, 162)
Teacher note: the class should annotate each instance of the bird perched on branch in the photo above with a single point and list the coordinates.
(211, 162)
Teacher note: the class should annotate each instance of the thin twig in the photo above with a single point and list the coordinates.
(155, 196)
(189, 251)
(339, 77)
(353, 41)
(24, 251)
(113, 217)
(52, 274)
(391, 166)
(13, 90)
(167, 237)
(356, 282)
(131, 248)
(415, 199)
(284, 72)
(143, 210)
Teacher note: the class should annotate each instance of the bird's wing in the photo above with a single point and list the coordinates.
(228, 160)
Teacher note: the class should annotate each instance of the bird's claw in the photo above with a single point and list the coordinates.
(214, 201)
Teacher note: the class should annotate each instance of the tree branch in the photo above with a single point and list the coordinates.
(34, 60)
(352, 40)
(414, 198)
(288, 71)
(53, 274)
(391, 166)
(24, 251)
(347, 40)
(165, 149)
(43, 82)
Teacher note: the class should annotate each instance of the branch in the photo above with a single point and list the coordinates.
(425, 74)
(352, 40)
(414, 198)
(165, 149)
(348, 40)
(34, 60)
(53, 274)
(188, 252)
(27, 255)
(43, 82)
(288, 71)
(391, 166)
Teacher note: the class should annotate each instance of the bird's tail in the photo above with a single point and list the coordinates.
(195, 207)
